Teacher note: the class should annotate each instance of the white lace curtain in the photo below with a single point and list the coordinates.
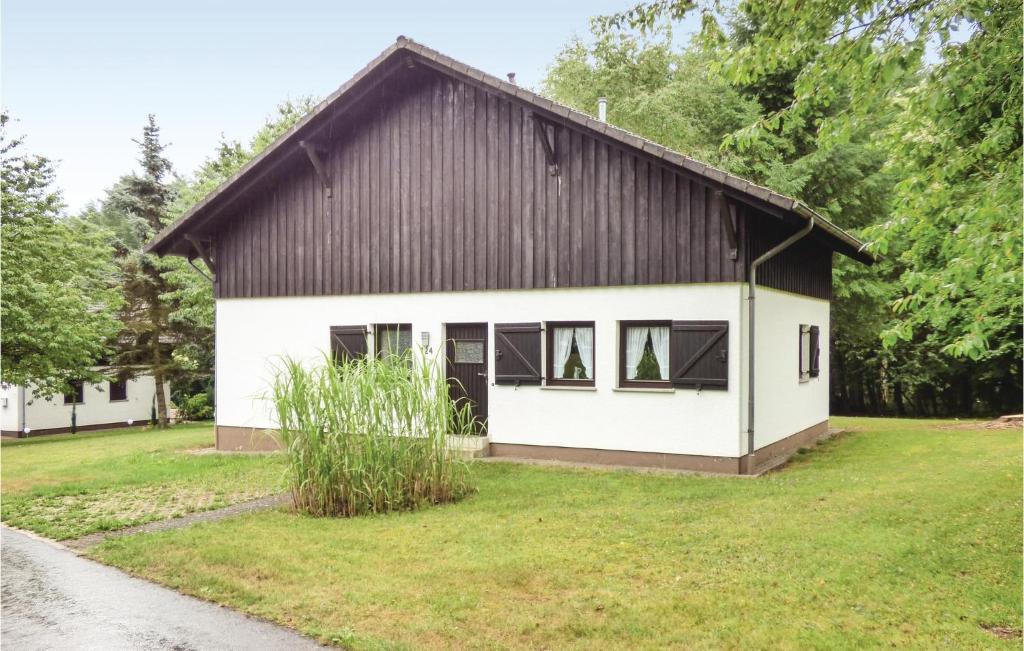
(659, 340)
(563, 348)
(584, 338)
(636, 339)
(585, 344)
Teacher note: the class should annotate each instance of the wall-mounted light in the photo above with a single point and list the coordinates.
(425, 340)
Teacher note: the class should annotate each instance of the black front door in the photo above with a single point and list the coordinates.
(467, 367)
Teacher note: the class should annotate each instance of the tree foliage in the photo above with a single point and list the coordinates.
(900, 120)
(673, 97)
(59, 285)
(168, 315)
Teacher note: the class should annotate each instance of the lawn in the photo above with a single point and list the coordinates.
(900, 533)
(67, 486)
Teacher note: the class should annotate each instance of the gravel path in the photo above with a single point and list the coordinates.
(261, 504)
(54, 599)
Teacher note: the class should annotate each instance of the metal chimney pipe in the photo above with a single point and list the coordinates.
(602, 109)
(511, 77)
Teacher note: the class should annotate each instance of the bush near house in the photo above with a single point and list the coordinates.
(370, 436)
(196, 407)
(648, 368)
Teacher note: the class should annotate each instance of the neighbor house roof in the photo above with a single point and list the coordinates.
(173, 239)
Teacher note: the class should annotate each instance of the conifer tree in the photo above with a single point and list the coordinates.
(147, 339)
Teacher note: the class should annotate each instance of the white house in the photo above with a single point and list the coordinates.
(92, 405)
(601, 298)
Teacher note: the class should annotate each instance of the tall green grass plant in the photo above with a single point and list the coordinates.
(370, 436)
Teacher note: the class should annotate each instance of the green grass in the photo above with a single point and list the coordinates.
(67, 486)
(901, 533)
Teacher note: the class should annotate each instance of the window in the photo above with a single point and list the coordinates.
(77, 394)
(118, 390)
(810, 351)
(468, 351)
(679, 354)
(644, 353)
(393, 339)
(571, 353)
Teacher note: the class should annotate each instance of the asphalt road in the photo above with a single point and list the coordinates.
(53, 599)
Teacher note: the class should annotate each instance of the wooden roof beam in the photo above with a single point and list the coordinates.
(313, 152)
(204, 252)
(547, 141)
(728, 217)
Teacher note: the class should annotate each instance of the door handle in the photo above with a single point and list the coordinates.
(482, 374)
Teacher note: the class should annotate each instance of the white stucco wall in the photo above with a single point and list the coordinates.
(251, 333)
(784, 404)
(10, 408)
(48, 412)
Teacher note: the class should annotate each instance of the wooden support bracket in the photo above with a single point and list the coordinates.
(548, 141)
(727, 212)
(313, 151)
(204, 250)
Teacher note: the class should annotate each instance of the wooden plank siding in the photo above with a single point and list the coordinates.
(440, 185)
(804, 268)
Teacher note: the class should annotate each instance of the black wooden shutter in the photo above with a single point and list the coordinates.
(517, 353)
(800, 351)
(699, 354)
(348, 343)
(815, 351)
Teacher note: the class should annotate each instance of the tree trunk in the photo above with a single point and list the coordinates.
(157, 321)
(862, 408)
(840, 396)
(158, 378)
(966, 396)
(897, 397)
(161, 399)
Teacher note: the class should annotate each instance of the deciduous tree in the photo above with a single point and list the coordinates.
(59, 283)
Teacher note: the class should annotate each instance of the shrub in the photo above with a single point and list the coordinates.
(370, 436)
(196, 407)
(647, 368)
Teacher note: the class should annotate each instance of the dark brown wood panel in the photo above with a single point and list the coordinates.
(804, 268)
(440, 185)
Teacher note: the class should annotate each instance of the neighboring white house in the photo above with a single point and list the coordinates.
(599, 297)
(94, 405)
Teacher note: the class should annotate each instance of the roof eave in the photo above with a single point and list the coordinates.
(157, 244)
(850, 246)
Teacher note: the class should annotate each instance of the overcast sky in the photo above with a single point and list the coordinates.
(80, 76)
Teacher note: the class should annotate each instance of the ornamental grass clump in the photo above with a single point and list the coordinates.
(370, 436)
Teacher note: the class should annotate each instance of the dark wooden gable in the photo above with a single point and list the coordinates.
(437, 184)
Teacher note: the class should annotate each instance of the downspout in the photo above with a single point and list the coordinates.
(21, 410)
(751, 294)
